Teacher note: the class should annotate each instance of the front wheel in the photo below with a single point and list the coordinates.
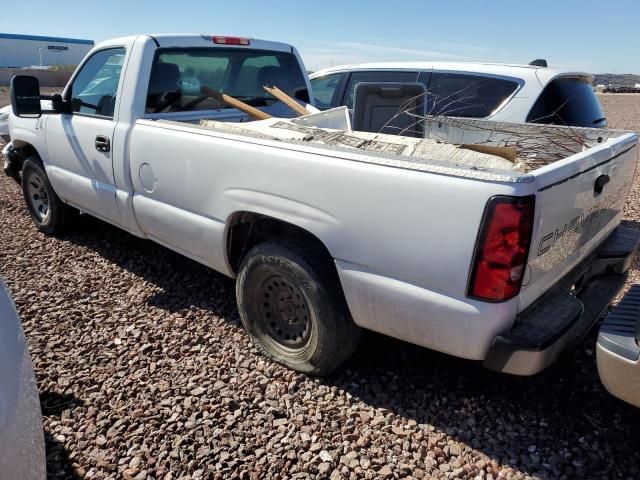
(293, 308)
(50, 214)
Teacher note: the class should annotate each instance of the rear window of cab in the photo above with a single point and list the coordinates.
(179, 74)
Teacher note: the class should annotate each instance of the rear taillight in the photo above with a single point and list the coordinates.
(502, 248)
(220, 40)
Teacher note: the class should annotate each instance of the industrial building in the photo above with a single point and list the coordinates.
(31, 50)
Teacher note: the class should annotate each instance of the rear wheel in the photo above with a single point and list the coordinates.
(293, 308)
(50, 214)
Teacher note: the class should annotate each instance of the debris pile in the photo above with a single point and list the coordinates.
(393, 145)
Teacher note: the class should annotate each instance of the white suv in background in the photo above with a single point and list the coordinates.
(504, 93)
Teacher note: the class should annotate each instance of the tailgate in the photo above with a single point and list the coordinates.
(579, 201)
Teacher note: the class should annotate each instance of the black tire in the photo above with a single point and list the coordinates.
(292, 306)
(50, 214)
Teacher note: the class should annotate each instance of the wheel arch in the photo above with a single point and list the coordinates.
(16, 156)
(26, 149)
(246, 229)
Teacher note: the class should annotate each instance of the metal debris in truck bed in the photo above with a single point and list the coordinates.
(418, 149)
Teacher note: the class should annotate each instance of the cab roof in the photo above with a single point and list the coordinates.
(195, 40)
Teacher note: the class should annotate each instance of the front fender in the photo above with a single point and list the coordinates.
(29, 132)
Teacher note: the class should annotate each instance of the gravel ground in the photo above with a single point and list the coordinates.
(144, 372)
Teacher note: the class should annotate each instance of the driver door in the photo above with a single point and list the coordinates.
(79, 143)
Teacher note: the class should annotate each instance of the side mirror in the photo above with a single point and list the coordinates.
(25, 96)
(59, 105)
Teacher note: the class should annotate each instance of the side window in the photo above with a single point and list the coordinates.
(462, 95)
(568, 101)
(388, 76)
(94, 89)
(324, 88)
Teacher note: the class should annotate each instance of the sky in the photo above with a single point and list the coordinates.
(592, 36)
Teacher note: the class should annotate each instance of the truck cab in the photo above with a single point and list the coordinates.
(148, 77)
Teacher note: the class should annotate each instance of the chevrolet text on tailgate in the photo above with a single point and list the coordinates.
(490, 241)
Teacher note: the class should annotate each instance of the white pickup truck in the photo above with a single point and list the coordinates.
(328, 230)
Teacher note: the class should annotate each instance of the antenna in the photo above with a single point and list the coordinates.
(538, 62)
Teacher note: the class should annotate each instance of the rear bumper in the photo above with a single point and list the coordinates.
(618, 349)
(561, 318)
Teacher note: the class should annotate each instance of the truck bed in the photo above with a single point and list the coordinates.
(384, 150)
(442, 151)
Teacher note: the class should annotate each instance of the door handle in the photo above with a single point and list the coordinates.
(103, 144)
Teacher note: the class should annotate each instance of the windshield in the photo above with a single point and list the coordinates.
(178, 75)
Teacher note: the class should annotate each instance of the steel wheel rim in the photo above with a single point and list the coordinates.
(283, 312)
(38, 197)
